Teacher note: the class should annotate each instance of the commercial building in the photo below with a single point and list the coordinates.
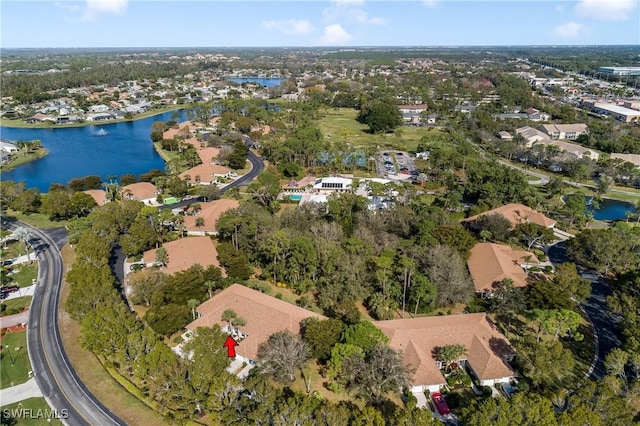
(621, 71)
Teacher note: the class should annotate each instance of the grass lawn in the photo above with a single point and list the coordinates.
(25, 274)
(318, 384)
(36, 412)
(93, 374)
(340, 125)
(14, 249)
(37, 220)
(15, 306)
(15, 359)
(19, 160)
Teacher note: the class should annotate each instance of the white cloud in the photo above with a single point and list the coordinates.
(98, 7)
(559, 8)
(71, 7)
(569, 30)
(607, 10)
(351, 10)
(335, 34)
(430, 3)
(290, 26)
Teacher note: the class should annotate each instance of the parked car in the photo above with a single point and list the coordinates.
(440, 403)
(6, 262)
(9, 289)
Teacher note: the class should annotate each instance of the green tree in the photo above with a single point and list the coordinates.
(498, 225)
(322, 335)
(364, 335)
(162, 257)
(381, 115)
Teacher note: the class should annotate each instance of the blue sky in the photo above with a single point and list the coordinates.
(216, 23)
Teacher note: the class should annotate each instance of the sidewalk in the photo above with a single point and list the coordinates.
(11, 320)
(17, 393)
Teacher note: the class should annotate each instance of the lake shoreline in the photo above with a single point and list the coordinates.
(21, 124)
(12, 164)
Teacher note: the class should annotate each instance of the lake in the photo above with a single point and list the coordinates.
(613, 210)
(103, 150)
(266, 82)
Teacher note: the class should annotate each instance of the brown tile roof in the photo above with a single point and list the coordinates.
(186, 252)
(210, 212)
(491, 263)
(141, 190)
(208, 154)
(98, 195)
(418, 338)
(264, 315)
(518, 213)
(205, 171)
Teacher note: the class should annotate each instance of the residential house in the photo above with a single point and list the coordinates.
(145, 192)
(8, 147)
(576, 151)
(505, 136)
(531, 135)
(564, 131)
(418, 339)
(100, 116)
(517, 213)
(98, 108)
(184, 253)
(328, 185)
(299, 185)
(631, 158)
(264, 315)
(98, 195)
(208, 155)
(206, 174)
(210, 212)
(490, 263)
(40, 118)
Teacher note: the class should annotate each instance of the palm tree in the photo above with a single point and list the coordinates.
(193, 303)
(449, 354)
(162, 257)
(233, 319)
(199, 222)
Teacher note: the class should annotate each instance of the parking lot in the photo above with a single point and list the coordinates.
(396, 165)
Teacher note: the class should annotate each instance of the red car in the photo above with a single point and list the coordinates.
(440, 403)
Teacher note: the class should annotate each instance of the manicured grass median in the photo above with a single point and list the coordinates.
(37, 220)
(31, 412)
(15, 360)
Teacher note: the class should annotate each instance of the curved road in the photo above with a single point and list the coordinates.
(596, 308)
(57, 379)
(54, 374)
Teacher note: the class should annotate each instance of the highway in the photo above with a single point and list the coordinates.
(58, 381)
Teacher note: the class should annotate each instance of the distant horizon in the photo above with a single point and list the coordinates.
(141, 24)
(319, 47)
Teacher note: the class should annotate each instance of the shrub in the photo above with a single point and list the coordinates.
(411, 401)
(486, 390)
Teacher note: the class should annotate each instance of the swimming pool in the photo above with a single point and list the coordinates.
(295, 197)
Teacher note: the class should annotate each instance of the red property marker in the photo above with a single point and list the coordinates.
(230, 344)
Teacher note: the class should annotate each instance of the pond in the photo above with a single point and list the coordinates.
(103, 150)
(266, 82)
(612, 209)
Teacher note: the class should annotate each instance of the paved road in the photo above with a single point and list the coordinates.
(596, 309)
(55, 376)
